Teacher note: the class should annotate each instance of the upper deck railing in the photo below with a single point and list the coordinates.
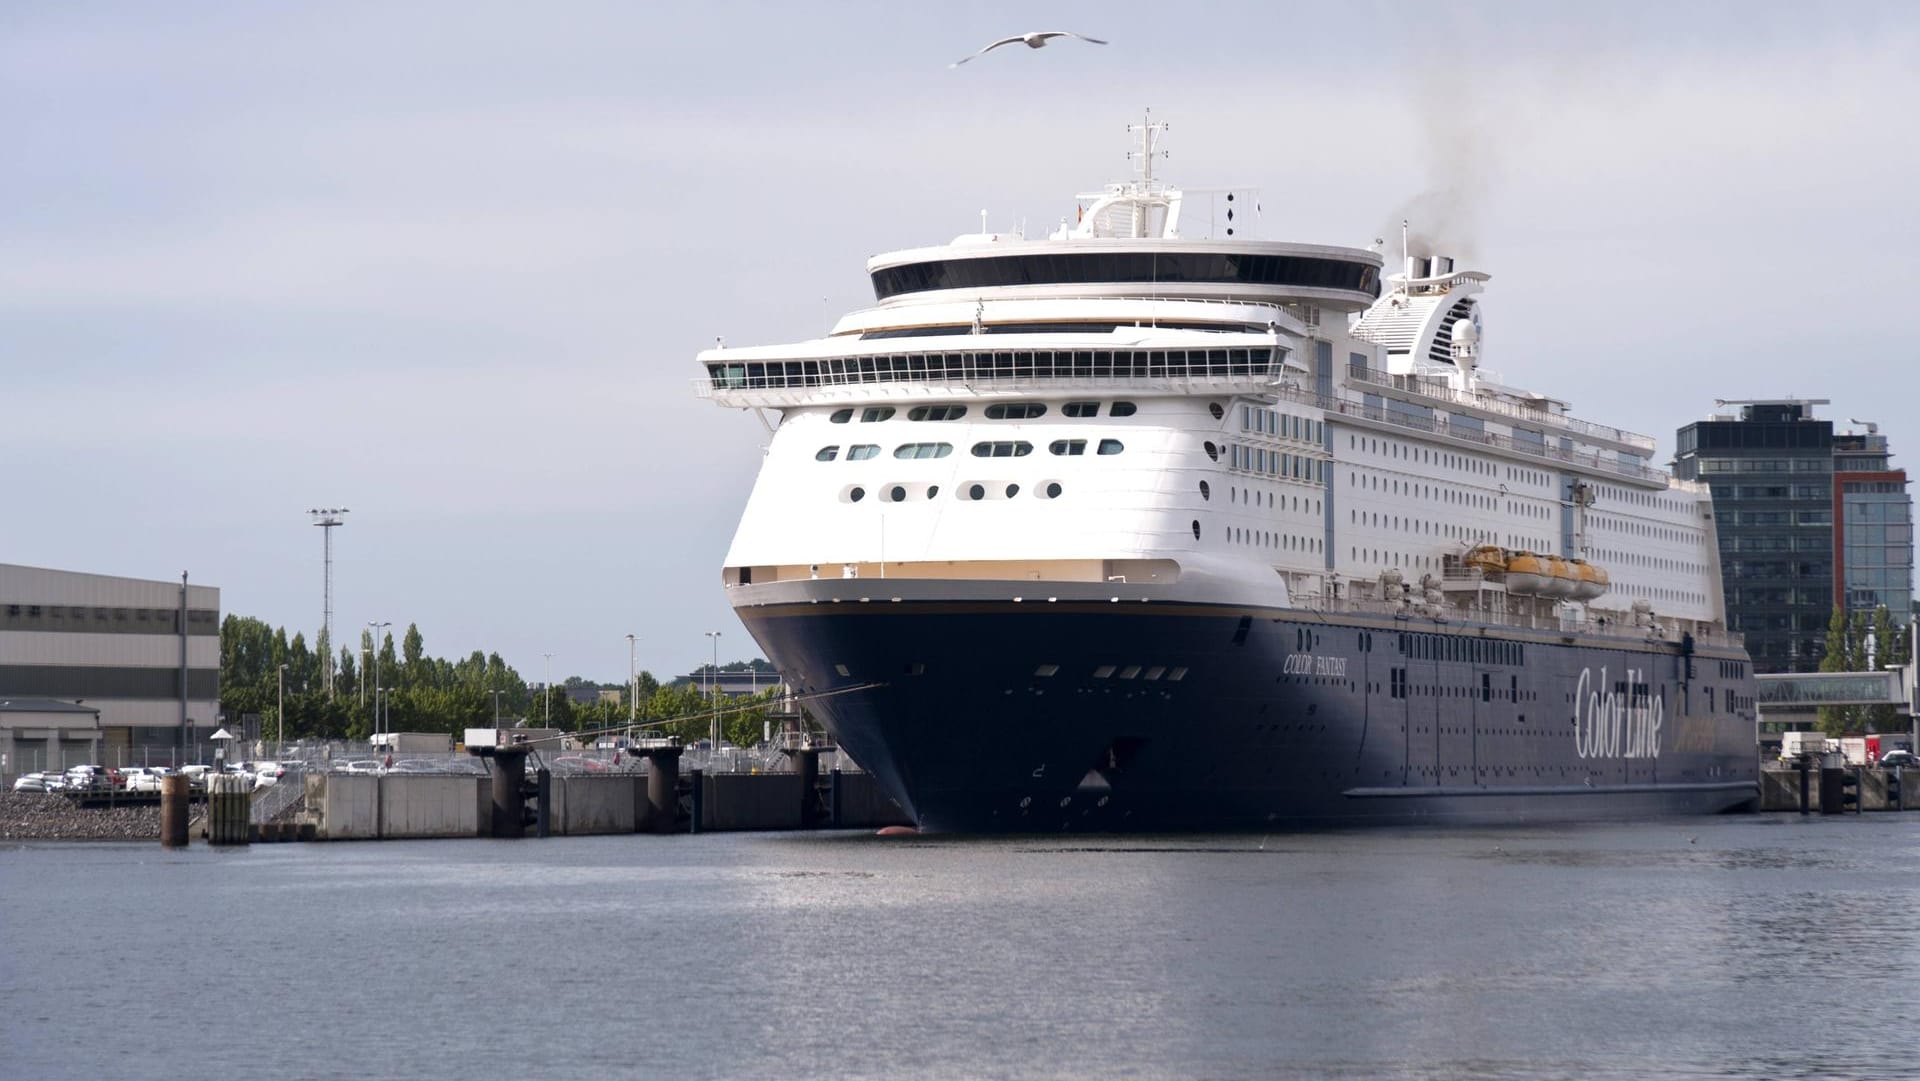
(1436, 389)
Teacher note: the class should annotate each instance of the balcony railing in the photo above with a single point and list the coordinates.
(1437, 390)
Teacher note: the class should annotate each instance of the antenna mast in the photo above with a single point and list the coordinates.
(327, 518)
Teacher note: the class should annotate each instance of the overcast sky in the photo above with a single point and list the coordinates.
(448, 265)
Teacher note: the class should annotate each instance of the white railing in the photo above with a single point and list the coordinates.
(1435, 388)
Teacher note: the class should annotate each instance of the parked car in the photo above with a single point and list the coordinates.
(87, 779)
(39, 782)
(1903, 759)
(196, 777)
(364, 766)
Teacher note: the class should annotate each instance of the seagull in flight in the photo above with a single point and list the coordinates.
(1033, 40)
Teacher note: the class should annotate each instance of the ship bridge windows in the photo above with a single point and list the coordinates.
(1121, 267)
(923, 450)
(1016, 410)
(1003, 449)
(937, 412)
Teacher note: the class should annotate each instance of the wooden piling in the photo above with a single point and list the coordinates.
(174, 810)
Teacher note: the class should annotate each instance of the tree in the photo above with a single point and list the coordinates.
(1836, 720)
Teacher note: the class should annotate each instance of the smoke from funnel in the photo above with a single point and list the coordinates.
(1443, 218)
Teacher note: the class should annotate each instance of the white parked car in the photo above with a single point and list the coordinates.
(39, 782)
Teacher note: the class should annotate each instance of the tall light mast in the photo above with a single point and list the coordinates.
(327, 518)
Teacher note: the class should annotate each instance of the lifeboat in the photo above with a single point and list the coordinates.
(1589, 581)
(1527, 573)
(1560, 578)
(1490, 559)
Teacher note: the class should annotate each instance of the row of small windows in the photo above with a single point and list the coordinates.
(978, 368)
(1393, 448)
(860, 452)
(1280, 425)
(1266, 538)
(62, 617)
(1442, 493)
(971, 493)
(998, 411)
(1275, 463)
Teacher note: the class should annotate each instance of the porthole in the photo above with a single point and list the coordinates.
(856, 494)
(1012, 490)
(1213, 452)
(932, 490)
(1206, 490)
(1053, 490)
(827, 454)
(1196, 529)
(976, 491)
(1216, 410)
(897, 494)
(841, 416)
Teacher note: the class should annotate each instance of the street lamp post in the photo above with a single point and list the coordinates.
(377, 628)
(714, 671)
(546, 691)
(633, 689)
(366, 658)
(496, 708)
(280, 714)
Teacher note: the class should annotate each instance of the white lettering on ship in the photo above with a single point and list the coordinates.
(1609, 724)
(1307, 664)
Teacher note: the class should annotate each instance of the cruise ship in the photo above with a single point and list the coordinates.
(1151, 525)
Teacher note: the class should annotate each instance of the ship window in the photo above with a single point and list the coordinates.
(1005, 449)
(1105, 671)
(1016, 411)
(1131, 671)
(932, 490)
(1196, 529)
(1080, 409)
(1213, 452)
(937, 412)
(856, 494)
(841, 416)
(1121, 409)
(860, 452)
(1214, 408)
(1177, 675)
(1111, 446)
(1155, 672)
(922, 450)
(827, 454)
(975, 491)
(1012, 490)
(897, 494)
(1206, 491)
(876, 413)
(1046, 670)
(1068, 446)
(1053, 490)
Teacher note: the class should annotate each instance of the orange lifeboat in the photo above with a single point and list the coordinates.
(1527, 573)
(1561, 579)
(1589, 581)
(1490, 559)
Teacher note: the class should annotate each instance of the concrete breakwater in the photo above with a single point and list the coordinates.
(348, 807)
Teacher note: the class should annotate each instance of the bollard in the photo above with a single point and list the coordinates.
(174, 810)
(806, 762)
(663, 789)
(509, 804)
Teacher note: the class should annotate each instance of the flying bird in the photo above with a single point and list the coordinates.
(1032, 41)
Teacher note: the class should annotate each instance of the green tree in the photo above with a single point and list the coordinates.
(1835, 720)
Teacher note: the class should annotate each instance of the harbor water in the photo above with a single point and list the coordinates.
(1758, 946)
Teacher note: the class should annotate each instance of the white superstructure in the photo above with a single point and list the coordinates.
(1121, 408)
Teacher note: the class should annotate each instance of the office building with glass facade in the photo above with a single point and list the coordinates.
(1787, 492)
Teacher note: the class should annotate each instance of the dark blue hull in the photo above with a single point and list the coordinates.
(997, 716)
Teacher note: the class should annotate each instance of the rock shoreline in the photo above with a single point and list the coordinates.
(42, 816)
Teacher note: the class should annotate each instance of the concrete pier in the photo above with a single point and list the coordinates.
(229, 808)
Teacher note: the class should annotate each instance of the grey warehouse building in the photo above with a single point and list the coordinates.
(129, 667)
